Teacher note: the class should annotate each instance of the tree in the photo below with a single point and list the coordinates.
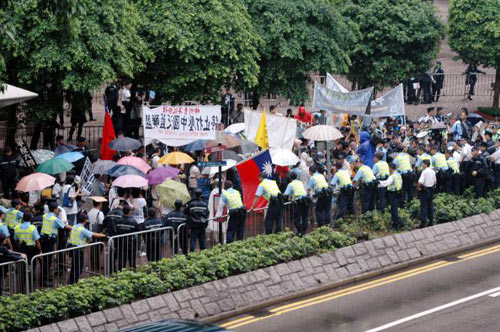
(399, 39)
(199, 47)
(300, 37)
(475, 35)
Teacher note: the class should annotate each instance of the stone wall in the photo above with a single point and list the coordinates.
(293, 278)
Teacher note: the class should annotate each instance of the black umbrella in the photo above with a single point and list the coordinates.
(227, 154)
(124, 144)
(64, 148)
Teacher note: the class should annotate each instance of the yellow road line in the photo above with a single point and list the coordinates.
(355, 289)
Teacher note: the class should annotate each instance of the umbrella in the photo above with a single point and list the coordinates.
(322, 133)
(13, 95)
(161, 174)
(171, 190)
(176, 158)
(54, 166)
(235, 128)
(40, 156)
(138, 163)
(71, 156)
(130, 181)
(246, 147)
(120, 170)
(283, 157)
(229, 141)
(197, 145)
(211, 171)
(65, 148)
(102, 166)
(34, 182)
(226, 154)
(124, 144)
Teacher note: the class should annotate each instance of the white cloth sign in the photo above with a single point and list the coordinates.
(281, 131)
(332, 84)
(87, 177)
(390, 104)
(180, 125)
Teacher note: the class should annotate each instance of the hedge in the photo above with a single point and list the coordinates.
(19, 312)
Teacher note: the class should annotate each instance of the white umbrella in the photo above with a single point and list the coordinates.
(283, 157)
(322, 133)
(235, 128)
(211, 171)
(13, 95)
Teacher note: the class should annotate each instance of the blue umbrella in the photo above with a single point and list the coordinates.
(64, 148)
(197, 145)
(124, 144)
(71, 156)
(120, 170)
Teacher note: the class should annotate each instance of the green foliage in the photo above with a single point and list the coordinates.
(300, 37)
(199, 47)
(21, 312)
(399, 38)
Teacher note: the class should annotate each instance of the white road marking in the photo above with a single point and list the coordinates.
(436, 309)
(495, 294)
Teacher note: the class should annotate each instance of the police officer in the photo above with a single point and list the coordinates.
(27, 238)
(50, 226)
(403, 166)
(366, 180)
(342, 181)
(454, 169)
(479, 171)
(126, 246)
(421, 156)
(426, 184)
(381, 171)
(495, 159)
(4, 230)
(274, 215)
(297, 192)
(197, 214)
(13, 217)
(236, 211)
(79, 236)
(394, 184)
(318, 184)
(175, 219)
(441, 167)
(153, 239)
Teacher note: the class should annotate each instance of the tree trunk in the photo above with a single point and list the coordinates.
(255, 99)
(496, 95)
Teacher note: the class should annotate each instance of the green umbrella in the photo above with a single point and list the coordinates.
(171, 190)
(54, 166)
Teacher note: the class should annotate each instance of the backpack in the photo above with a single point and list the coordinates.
(67, 201)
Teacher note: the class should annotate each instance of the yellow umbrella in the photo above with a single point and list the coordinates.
(175, 158)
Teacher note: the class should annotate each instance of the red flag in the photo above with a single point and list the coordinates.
(108, 134)
(249, 171)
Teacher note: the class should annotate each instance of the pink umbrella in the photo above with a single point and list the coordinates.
(35, 181)
(130, 181)
(161, 174)
(138, 163)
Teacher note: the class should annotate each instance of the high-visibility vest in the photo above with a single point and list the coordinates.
(424, 156)
(440, 161)
(11, 218)
(383, 169)
(367, 172)
(403, 162)
(344, 178)
(48, 225)
(233, 198)
(75, 238)
(453, 164)
(298, 188)
(319, 182)
(270, 188)
(397, 184)
(25, 235)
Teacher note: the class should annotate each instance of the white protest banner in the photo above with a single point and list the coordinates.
(390, 104)
(332, 84)
(281, 131)
(354, 103)
(180, 125)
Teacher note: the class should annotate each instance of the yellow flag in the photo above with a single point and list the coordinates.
(261, 136)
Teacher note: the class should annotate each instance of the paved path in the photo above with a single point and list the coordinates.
(459, 293)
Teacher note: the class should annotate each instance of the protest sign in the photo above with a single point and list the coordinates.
(25, 153)
(390, 104)
(332, 84)
(354, 103)
(281, 131)
(87, 177)
(180, 125)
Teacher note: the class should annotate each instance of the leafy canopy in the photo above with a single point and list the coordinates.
(199, 47)
(300, 37)
(399, 38)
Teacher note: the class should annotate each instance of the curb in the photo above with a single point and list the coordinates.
(336, 284)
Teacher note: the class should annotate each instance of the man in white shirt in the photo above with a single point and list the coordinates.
(465, 163)
(426, 184)
(96, 217)
(155, 157)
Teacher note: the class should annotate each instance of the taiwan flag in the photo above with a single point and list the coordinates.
(249, 171)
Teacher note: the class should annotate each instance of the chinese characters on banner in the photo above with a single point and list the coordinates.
(25, 153)
(87, 177)
(179, 125)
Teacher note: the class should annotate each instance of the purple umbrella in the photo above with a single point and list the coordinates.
(160, 174)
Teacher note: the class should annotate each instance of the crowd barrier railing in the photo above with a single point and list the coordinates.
(14, 277)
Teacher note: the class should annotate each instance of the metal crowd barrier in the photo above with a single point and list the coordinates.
(149, 246)
(14, 277)
(66, 266)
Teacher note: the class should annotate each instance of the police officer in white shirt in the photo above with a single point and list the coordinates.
(426, 185)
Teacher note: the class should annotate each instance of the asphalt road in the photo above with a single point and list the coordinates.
(459, 293)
